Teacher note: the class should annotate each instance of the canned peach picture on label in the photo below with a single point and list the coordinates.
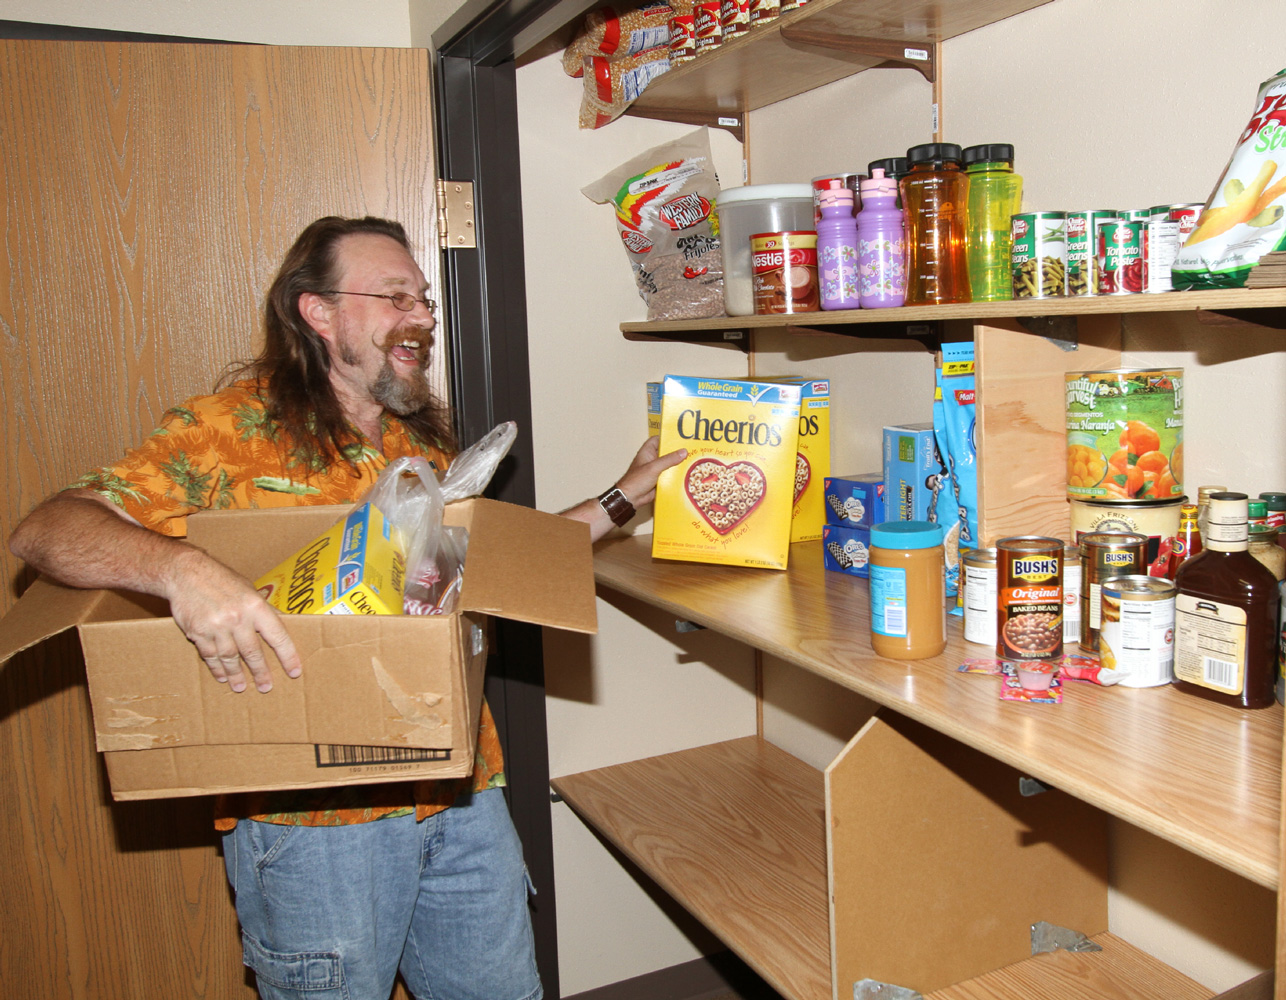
(1125, 435)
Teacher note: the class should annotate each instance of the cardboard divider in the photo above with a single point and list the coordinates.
(938, 865)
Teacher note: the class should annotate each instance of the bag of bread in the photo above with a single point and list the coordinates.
(616, 31)
(1245, 216)
(665, 216)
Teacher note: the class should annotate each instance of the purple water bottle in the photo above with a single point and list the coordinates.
(837, 249)
(881, 244)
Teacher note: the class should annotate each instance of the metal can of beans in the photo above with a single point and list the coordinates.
(1137, 635)
(1125, 435)
(1122, 247)
(1071, 594)
(1082, 250)
(1038, 254)
(1105, 554)
(979, 591)
(784, 271)
(1029, 598)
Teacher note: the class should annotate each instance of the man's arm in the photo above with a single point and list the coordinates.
(81, 539)
(638, 484)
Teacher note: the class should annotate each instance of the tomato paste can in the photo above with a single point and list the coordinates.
(1186, 216)
(784, 272)
(1071, 594)
(1122, 250)
(978, 567)
(1038, 254)
(1082, 250)
(1137, 634)
(1104, 554)
(1029, 598)
(1125, 435)
(1157, 521)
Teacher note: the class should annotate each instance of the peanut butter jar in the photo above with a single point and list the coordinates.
(908, 590)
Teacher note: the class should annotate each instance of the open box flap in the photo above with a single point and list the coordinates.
(526, 565)
(254, 542)
(48, 608)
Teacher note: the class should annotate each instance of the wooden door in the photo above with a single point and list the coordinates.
(147, 195)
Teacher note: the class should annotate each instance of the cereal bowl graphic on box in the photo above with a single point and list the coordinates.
(732, 498)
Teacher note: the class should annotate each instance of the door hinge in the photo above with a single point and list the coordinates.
(456, 227)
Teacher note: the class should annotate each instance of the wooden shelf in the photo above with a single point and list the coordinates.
(1200, 775)
(735, 832)
(765, 65)
(1264, 306)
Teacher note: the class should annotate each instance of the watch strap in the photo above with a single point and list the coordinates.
(617, 506)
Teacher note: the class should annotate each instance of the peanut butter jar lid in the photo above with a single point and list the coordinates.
(906, 535)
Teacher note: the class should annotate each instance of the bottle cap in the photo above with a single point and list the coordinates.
(836, 198)
(996, 153)
(1275, 501)
(1203, 492)
(879, 185)
(894, 166)
(1256, 508)
(906, 535)
(934, 153)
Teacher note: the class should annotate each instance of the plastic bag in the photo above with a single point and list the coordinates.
(1245, 216)
(664, 201)
(473, 468)
(617, 31)
(612, 85)
(955, 431)
(407, 493)
(435, 590)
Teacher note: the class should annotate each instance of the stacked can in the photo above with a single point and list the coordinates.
(1082, 250)
(1038, 252)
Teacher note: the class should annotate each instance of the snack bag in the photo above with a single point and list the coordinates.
(955, 428)
(665, 215)
(730, 500)
(615, 31)
(1245, 215)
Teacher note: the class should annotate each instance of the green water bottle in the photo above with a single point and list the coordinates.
(995, 194)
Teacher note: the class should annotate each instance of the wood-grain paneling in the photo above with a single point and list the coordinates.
(147, 194)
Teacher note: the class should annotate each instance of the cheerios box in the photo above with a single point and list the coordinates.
(654, 390)
(731, 500)
(856, 500)
(846, 549)
(812, 456)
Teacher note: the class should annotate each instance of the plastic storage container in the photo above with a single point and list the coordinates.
(745, 211)
(908, 592)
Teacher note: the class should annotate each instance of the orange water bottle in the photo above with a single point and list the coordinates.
(934, 196)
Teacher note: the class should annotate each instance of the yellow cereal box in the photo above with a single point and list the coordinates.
(355, 568)
(813, 458)
(654, 408)
(730, 501)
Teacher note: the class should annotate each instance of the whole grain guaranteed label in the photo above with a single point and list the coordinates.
(730, 501)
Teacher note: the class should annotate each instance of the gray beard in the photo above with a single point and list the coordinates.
(399, 395)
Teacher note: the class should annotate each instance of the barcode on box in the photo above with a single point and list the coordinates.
(334, 755)
(1219, 673)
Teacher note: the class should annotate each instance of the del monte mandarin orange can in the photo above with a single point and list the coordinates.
(1125, 435)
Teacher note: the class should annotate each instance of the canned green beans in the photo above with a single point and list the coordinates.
(1082, 250)
(1038, 254)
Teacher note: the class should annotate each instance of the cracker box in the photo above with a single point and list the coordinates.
(356, 567)
(653, 408)
(846, 549)
(731, 500)
(381, 697)
(853, 501)
(913, 474)
(813, 455)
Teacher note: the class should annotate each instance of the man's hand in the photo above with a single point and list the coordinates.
(638, 484)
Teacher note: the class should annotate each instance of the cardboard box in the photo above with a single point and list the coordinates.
(655, 390)
(913, 473)
(846, 549)
(382, 698)
(813, 455)
(857, 500)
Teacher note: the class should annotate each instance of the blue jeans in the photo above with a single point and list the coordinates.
(334, 912)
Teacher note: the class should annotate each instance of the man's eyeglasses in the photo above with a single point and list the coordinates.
(402, 300)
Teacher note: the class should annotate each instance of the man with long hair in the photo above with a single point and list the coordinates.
(337, 889)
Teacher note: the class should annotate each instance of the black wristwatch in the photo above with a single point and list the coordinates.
(617, 506)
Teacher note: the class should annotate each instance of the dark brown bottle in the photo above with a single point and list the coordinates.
(1225, 646)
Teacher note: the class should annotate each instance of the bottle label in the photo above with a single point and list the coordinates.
(1210, 644)
(888, 601)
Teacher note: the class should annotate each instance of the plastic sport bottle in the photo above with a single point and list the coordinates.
(837, 249)
(881, 244)
(995, 194)
(1225, 640)
(934, 195)
(894, 167)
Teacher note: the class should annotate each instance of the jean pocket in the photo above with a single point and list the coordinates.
(267, 840)
(290, 975)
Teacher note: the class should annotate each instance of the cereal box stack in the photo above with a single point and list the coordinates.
(813, 458)
(731, 500)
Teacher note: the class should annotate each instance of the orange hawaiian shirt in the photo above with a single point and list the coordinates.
(222, 452)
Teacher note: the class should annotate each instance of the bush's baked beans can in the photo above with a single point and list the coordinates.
(1029, 598)
(1038, 254)
(1082, 250)
(1122, 252)
(1137, 634)
(1071, 594)
(1125, 435)
(784, 271)
(1159, 521)
(1105, 554)
(979, 593)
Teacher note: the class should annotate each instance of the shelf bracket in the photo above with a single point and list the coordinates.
(918, 56)
(1047, 937)
(873, 989)
(731, 121)
(928, 335)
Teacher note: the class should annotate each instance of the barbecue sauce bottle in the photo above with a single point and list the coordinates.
(1225, 645)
